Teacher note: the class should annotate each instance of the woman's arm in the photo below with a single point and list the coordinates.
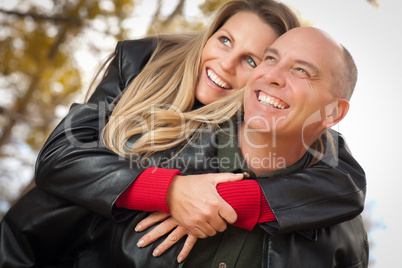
(327, 193)
(309, 198)
(72, 164)
(317, 196)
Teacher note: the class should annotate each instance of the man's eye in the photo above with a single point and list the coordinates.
(304, 72)
(225, 40)
(269, 58)
(250, 61)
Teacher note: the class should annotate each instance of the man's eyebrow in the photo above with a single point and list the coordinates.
(312, 67)
(271, 50)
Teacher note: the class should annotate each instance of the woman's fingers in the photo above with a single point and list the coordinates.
(170, 240)
(163, 228)
(151, 220)
(188, 245)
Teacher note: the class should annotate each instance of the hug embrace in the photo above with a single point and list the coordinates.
(247, 105)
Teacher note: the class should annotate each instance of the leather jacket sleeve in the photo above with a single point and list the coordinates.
(72, 164)
(321, 195)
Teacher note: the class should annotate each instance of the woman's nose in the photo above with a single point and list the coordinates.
(228, 63)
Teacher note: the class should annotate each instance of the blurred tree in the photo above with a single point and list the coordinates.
(38, 73)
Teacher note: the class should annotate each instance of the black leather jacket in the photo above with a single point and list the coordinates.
(84, 180)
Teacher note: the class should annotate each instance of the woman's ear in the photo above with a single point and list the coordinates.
(335, 112)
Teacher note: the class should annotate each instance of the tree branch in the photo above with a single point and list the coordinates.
(39, 17)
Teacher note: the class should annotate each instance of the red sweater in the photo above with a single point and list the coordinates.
(148, 193)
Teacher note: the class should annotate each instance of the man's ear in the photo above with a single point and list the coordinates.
(335, 112)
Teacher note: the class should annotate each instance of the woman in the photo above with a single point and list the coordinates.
(234, 54)
(87, 165)
(66, 162)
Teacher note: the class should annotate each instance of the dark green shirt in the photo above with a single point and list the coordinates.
(235, 247)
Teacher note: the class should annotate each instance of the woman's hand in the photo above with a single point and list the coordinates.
(167, 224)
(196, 205)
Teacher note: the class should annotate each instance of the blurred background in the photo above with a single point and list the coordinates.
(50, 50)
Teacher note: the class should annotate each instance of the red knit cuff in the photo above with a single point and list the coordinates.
(148, 191)
(266, 213)
(244, 197)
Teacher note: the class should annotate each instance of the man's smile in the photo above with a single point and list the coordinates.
(271, 101)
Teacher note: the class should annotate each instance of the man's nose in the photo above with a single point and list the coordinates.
(274, 76)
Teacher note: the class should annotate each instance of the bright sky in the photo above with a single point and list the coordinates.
(372, 127)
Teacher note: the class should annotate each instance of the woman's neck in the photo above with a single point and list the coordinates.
(266, 152)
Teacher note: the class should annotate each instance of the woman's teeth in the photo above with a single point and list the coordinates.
(270, 101)
(214, 78)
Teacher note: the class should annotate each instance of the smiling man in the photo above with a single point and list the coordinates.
(300, 90)
(303, 72)
(300, 76)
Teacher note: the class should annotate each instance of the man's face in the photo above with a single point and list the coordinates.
(292, 83)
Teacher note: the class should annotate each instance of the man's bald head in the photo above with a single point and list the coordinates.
(332, 53)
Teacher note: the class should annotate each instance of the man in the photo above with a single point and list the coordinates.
(301, 89)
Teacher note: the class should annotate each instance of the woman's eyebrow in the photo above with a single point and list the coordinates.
(234, 41)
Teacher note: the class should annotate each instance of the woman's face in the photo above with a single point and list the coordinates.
(230, 54)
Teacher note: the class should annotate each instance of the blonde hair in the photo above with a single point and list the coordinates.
(158, 103)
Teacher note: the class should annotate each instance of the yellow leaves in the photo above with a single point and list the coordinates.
(211, 6)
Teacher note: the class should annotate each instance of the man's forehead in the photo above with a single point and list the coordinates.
(306, 44)
(305, 38)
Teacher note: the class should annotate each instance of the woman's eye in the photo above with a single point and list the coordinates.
(251, 62)
(225, 40)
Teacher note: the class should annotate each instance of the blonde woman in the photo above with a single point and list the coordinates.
(215, 63)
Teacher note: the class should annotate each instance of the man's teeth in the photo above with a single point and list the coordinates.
(270, 101)
(216, 79)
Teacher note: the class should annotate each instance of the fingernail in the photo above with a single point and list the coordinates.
(244, 174)
(155, 253)
(179, 260)
(140, 243)
(138, 228)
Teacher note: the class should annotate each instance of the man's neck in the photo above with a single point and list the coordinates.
(266, 152)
